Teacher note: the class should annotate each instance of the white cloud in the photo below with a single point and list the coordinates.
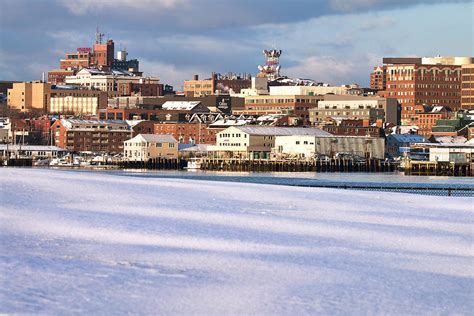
(169, 73)
(332, 70)
(81, 7)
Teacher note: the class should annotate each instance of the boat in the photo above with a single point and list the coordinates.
(194, 164)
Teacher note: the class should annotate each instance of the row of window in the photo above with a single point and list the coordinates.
(232, 135)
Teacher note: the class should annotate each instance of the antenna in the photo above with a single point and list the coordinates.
(98, 36)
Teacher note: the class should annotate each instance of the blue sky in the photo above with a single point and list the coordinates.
(334, 41)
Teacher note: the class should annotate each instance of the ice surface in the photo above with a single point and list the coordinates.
(89, 242)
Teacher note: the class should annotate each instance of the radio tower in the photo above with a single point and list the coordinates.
(271, 69)
(98, 36)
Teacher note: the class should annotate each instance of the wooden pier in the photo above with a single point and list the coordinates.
(438, 168)
(316, 165)
(156, 164)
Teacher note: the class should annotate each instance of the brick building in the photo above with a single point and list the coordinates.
(223, 84)
(354, 128)
(416, 82)
(90, 135)
(378, 78)
(188, 132)
(467, 86)
(428, 118)
(297, 105)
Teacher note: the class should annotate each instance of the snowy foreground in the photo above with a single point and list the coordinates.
(89, 242)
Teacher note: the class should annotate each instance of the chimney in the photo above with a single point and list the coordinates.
(196, 77)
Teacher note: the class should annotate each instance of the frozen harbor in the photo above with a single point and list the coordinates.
(93, 242)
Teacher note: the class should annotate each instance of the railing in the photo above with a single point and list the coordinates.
(460, 192)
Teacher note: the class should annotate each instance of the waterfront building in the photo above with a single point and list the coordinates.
(91, 135)
(144, 147)
(399, 144)
(255, 141)
(309, 146)
(6, 135)
(30, 151)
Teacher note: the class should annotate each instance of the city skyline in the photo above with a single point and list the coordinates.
(335, 41)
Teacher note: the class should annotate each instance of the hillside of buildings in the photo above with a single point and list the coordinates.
(88, 242)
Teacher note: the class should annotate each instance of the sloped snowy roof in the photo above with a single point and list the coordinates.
(450, 139)
(154, 138)
(282, 131)
(30, 147)
(409, 138)
(180, 105)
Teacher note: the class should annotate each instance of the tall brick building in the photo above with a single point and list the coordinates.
(467, 86)
(416, 82)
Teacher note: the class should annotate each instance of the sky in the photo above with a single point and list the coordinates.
(332, 41)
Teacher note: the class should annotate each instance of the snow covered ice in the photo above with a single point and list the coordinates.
(90, 242)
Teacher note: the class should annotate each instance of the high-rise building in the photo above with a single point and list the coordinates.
(417, 82)
(467, 86)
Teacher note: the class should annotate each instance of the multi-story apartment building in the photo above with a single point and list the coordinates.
(378, 78)
(58, 76)
(428, 118)
(46, 98)
(222, 84)
(29, 96)
(114, 81)
(467, 86)
(416, 82)
(82, 102)
(188, 132)
(298, 105)
(91, 135)
(355, 107)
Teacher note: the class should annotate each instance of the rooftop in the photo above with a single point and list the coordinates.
(154, 138)
(180, 105)
(283, 131)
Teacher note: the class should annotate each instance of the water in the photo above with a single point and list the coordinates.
(370, 180)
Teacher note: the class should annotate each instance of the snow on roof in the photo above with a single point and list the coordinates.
(404, 129)
(450, 139)
(283, 131)
(193, 148)
(154, 138)
(30, 147)
(409, 138)
(236, 122)
(180, 105)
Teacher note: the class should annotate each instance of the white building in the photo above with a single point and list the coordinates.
(309, 90)
(255, 141)
(307, 146)
(460, 153)
(195, 106)
(144, 147)
(6, 135)
(30, 151)
(106, 80)
(78, 105)
(355, 107)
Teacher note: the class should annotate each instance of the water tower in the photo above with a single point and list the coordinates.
(271, 69)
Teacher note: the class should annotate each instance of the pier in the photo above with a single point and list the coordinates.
(315, 165)
(437, 168)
